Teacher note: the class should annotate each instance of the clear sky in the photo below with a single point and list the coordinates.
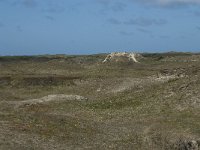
(96, 26)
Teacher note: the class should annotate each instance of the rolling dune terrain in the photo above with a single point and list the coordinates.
(86, 102)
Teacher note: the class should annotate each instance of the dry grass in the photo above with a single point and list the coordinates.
(149, 112)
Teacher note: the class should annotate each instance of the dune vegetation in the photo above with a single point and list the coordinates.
(77, 102)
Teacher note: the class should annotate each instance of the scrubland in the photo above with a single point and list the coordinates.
(77, 102)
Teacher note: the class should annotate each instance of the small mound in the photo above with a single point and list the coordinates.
(122, 57)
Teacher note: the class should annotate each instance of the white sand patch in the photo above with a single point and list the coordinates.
(116, 55)
(46, 99)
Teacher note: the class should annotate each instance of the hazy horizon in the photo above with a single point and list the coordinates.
(108, 52)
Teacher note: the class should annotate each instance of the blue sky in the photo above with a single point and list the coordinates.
(96, 26)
